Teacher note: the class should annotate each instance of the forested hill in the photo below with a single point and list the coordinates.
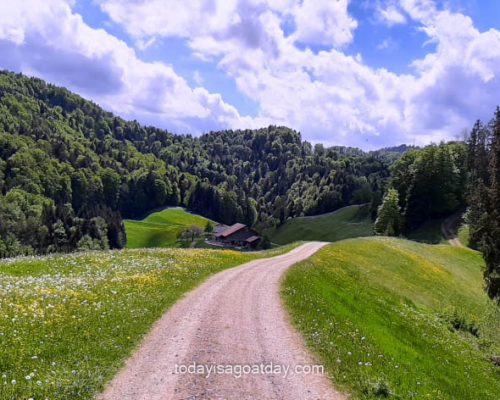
(69, 172)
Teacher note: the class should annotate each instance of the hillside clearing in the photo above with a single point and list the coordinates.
(67, 322)
(394, 318)
(161, 229)
(347, 222)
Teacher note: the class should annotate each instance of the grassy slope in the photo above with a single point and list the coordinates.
(378, 313)
(68, 322)
(160, 229)
(345, 223)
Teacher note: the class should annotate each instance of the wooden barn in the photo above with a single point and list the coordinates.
(238, 235)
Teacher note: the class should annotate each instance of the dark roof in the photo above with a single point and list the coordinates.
(231, 230)
(253, 239)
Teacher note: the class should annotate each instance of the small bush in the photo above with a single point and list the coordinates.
(378, 388)
(459, 322)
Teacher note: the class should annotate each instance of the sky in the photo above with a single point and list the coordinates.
(361, 73)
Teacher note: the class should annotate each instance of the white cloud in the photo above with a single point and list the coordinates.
(47, 39)
(390, 14)
(324, 22)
(387, 44)
(328, 95)
(458, 82)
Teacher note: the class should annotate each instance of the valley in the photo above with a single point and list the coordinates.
(383, 269)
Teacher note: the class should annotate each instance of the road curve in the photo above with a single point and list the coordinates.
(449, 229)
(234, 318)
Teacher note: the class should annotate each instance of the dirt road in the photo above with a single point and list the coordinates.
(234, 320)
(449, 229)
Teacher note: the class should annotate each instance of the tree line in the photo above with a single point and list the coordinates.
(483, 194)
(70, 171)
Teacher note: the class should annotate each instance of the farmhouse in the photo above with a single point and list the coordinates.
(238, 235)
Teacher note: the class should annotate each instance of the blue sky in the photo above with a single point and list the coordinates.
(360, 73)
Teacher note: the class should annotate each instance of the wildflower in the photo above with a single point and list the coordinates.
(13, 381)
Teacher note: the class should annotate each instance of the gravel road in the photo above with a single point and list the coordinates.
(234, 319)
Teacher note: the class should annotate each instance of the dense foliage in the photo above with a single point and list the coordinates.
(430, 182)
(69, 172)
(389, 217)
(483, 214)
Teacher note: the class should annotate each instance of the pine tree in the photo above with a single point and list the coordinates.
(491, 246)
(389, 220)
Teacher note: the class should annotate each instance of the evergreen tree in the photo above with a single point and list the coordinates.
(389, 220)
(491, 242)
(478, 181)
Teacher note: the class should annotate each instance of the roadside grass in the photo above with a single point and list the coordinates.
(391, 318)
(68, 322)
(429, 232)
(348, 222)
(161, 229)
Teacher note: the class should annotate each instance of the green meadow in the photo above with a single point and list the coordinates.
(391, 318)
(161, 229)
(348, 222)
(67, 322)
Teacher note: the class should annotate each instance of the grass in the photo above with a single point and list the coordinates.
(463, 235)
(67, 322)
(348, 222)
(161, 229)
(398, 319)
(429, 232)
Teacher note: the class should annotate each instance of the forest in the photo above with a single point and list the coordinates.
(70, 171)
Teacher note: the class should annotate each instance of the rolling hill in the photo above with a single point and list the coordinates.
(347, 222)
(161, 229)
(398, 319)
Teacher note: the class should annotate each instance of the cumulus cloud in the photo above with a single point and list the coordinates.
(328, 95)
(458, 82)
(270, 50)
(324, 22)
(47, 39)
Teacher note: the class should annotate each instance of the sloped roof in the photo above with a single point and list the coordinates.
(231, 230)
(252, 239)
(219, 229)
